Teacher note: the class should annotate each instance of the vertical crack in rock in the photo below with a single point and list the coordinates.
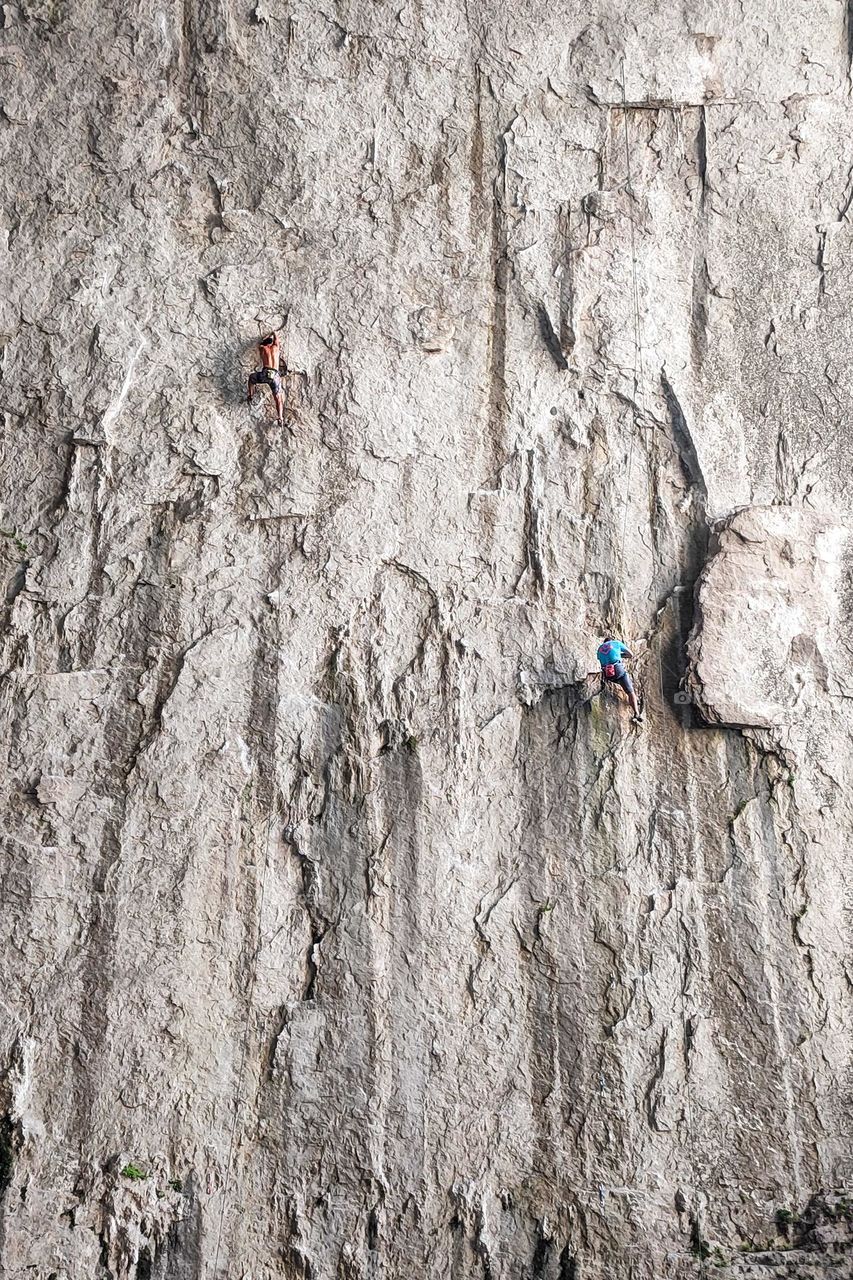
(566, 268)
(677, 613)
(702, 155)
(533, 524)
(553, 344)
(501, 276)
(701, 279)
(821, 265)
(687, 454)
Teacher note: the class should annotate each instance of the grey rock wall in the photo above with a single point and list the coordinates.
(349, 934)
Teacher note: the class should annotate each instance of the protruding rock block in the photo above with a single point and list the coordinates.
(763, 644)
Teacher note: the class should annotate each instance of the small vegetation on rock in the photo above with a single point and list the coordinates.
(14, 537)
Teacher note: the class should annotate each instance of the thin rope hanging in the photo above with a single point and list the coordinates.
(270, 812)
(638, 411)
(637, 408)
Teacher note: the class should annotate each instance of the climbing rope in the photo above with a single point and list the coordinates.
(638, 412)
(700, 1241)
(270, 812)
(637, 399)
(285, 385)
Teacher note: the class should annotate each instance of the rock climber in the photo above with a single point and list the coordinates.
(610, 654)
(269, 373)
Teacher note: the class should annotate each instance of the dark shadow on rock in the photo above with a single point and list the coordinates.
(180, 1257)
(549, 337)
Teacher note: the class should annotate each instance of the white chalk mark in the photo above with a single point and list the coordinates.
(116, 406)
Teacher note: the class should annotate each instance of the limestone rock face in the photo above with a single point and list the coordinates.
(349, 933)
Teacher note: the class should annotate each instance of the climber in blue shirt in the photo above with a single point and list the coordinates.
(610, 654)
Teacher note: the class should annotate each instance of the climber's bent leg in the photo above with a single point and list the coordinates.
(624, 679)
(270, 378)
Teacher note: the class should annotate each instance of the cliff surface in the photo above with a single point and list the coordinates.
(348, 933)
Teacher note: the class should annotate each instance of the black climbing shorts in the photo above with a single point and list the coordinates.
(270, 377)
(622, 678)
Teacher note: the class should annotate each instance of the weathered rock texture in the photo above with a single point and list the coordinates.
(332, 900)
(768, 645)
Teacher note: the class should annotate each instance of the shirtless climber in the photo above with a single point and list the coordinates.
(270, 353)
(610, 654)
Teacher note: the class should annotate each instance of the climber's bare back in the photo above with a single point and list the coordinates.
(270, 351)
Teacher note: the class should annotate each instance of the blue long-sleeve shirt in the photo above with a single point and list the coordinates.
(611, 651)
